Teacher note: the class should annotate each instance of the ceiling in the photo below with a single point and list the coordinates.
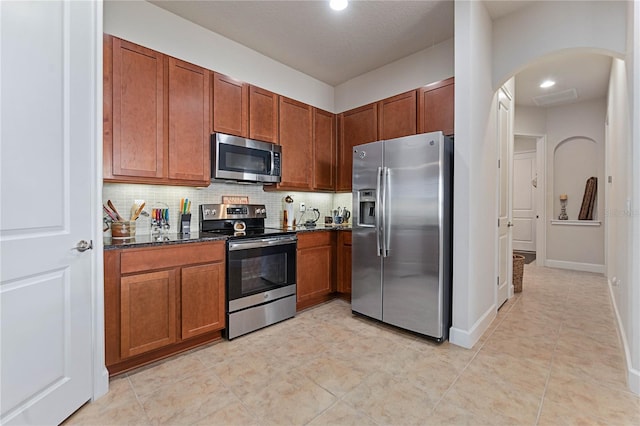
(587, 73)
(330, 46)
(334, 47)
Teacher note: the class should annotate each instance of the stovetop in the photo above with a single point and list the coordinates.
(236, 221)
(248, 233)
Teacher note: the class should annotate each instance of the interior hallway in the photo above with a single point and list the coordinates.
(551, 357)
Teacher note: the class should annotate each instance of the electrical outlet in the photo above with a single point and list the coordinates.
(302, 207)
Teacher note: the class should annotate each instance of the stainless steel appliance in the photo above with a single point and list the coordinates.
(261, 266)
(401, 264)
(240, 159)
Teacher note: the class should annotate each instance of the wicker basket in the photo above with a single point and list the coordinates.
(518, 270)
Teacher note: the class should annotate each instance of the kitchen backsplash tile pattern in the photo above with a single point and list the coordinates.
(156, 196)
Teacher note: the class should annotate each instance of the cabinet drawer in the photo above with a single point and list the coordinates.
(137, 260)
(314, 239)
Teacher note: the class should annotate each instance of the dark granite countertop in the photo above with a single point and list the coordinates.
(323, 228)
(148, 241)
(194, 237)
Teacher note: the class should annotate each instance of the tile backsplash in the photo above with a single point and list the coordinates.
(124, 195)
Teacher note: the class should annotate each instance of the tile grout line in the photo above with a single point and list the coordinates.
(553, 355)
(137, 397)
(435, 406)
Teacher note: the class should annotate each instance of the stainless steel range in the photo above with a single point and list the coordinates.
(261, 266)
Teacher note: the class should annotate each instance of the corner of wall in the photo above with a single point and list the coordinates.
(633, 374)
(468, 338)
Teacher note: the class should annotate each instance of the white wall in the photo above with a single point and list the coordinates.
(633, 82)
(421, 68)
(530, 121)
(618, 165)
(575, 149)
(475, 176)
(524, 144)
(547, 27)
(148, 25)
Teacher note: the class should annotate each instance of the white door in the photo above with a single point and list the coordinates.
(524, 201)
(48, 140)
(505, 146)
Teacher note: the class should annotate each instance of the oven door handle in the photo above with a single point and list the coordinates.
(261, 243)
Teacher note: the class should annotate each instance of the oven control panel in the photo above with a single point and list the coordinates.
(232, 211)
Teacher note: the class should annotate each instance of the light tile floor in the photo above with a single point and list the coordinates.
(551, 357)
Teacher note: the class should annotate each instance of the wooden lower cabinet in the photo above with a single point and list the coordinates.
(315, 272)
(147, 311)
(344, 264)
(162, 300)
(202, 299)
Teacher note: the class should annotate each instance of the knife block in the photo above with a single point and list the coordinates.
(185, 223)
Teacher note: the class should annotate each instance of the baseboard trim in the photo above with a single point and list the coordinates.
(633, 375)
(101, 385)
(467, 339)
(575, 266)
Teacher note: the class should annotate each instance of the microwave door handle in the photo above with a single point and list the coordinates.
(273, 163)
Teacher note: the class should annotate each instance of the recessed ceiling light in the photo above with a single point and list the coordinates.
(338, 4)
(547, 83)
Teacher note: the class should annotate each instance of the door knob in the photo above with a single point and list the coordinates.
(83, 246)
(509, 224)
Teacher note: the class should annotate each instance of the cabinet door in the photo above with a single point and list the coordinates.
(397, 116)
(263, 115)
(324, 150)
(230, 106)
(344, 262)
(296, 141)
(148, 312)
(314, 264)
(189, 122)
(202, 299)
(357, 126)
(436, 107)
(138, 111)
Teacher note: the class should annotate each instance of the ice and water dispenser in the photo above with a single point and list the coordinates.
(367, 207)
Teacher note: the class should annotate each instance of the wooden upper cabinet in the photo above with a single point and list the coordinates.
(357, 126)
(137, 144)
(324, 150)
(230, 106)
(189, 122)
(295, 128)
(263, 115)
(397, 116)
(436, 107)
(148, 312)
(202, 299)
(107, 106)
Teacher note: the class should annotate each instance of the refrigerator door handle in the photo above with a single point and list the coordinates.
(383, 216)
(387, 211)
(377, 212)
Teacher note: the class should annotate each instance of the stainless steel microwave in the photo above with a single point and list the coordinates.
(241, 159)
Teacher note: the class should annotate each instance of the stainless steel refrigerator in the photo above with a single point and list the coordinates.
(402, 225)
